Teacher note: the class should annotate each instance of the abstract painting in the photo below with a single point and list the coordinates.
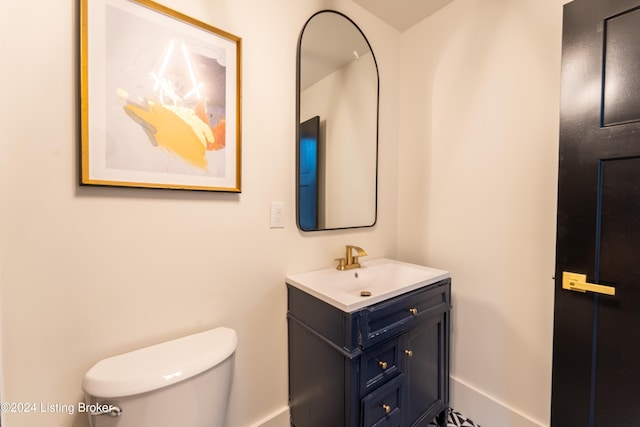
(160, 99)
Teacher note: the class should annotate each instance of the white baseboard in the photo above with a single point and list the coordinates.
(471, 402)
(486, 410)
(279, 418)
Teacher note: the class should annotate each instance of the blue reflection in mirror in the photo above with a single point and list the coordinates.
(308, 174)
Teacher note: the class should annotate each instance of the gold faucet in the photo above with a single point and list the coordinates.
(350, 261)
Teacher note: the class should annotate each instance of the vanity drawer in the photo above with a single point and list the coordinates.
(380, 364)
(383, 407)
(387, 319)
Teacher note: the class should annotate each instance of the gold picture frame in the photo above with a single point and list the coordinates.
(161, 99)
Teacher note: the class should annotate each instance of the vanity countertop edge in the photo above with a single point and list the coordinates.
(299, 281)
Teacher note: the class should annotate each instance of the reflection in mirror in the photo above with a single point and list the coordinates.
(337, 116)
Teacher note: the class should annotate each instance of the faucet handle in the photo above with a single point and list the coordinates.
(341, 263)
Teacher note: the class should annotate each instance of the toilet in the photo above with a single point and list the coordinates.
(184, 382)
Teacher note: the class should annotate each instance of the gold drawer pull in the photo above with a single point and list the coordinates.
(413, 311)
(386, 408)
(382, 364)
(409, 353)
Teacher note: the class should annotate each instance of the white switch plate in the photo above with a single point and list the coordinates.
(277, 214)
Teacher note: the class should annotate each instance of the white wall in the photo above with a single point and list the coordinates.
(477, 192)
(91, 272)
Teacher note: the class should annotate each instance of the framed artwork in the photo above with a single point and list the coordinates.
(160, 99)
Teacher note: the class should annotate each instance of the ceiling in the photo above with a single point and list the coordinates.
(402, 14)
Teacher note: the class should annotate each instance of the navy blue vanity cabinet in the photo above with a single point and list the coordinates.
(383, 365)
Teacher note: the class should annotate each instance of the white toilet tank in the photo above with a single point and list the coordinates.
(183, 382)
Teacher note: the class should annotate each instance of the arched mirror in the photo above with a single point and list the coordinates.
(337, 117)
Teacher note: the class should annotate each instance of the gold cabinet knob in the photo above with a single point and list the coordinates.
(386, 408)
(413, 311)
(383, 364)
(409, 353)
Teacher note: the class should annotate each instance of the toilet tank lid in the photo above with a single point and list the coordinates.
(160, 365)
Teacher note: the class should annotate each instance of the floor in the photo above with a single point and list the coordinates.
(456, 419)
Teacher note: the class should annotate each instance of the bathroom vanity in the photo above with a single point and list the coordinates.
(375, 360)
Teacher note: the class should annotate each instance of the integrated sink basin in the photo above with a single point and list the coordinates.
(377, 280)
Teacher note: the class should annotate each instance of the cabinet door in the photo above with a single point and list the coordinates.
(427, 370)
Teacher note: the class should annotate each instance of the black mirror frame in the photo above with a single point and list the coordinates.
(298, 80)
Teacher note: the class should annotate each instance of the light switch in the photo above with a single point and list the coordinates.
(277, 214)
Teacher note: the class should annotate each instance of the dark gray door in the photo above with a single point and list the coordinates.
(596, 355)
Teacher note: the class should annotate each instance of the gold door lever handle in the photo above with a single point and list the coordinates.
(578, 282)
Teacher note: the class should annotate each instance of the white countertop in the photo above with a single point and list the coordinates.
(384, 278)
